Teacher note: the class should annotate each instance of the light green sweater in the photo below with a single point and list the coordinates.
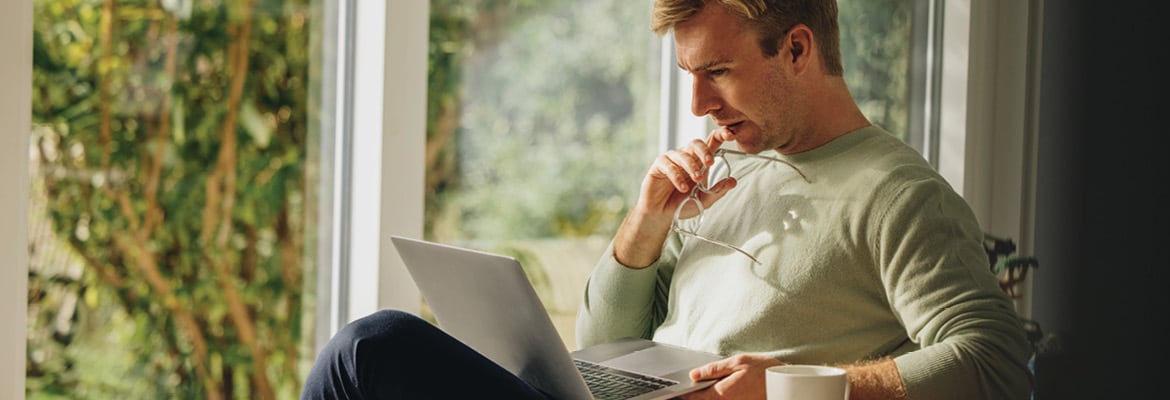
(877, 256)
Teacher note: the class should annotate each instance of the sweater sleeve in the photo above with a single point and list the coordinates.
(939, 284)
(624, 302)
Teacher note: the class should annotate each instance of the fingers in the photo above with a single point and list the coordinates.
(716, 370)
(740, 377)
(667, 166)
(717, 137)
(713, 370)
(684, 166)
(701, 150)
(722, 135)
(714, 193)
(691, 164)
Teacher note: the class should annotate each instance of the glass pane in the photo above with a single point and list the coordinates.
(543, 117)
(876, 53)
(171, 205)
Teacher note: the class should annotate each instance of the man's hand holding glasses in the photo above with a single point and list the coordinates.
(680, 185)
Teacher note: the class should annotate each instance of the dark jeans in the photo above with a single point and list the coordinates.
(395, 355)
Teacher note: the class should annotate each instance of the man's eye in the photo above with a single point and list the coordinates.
(717, 72)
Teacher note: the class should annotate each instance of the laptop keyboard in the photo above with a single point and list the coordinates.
(613, 384)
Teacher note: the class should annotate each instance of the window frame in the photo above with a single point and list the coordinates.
(377, 176)
(15, 119)
(403, 109)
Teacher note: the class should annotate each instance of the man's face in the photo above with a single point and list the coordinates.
(742, 90)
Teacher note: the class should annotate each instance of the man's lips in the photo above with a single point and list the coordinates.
(733, 126)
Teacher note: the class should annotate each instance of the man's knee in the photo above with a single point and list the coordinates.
(379, 329)
(380, 324)
(358, 351)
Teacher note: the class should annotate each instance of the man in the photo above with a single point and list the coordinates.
(854, 251)
(867, 259)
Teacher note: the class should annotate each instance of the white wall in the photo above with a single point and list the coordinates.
(15, 117)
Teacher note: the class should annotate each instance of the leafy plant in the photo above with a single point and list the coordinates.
(171, 142)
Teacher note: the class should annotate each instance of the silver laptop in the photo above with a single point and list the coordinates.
(485, 301)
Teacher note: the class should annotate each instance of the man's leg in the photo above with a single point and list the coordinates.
(396, 355)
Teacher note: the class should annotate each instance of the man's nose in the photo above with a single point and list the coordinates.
(704, 98)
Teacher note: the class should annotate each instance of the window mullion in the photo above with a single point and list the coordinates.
(16, 28)
(677, 124)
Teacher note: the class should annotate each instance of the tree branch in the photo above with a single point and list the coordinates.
(104, 68)
(154, 213)
(238, 61)
(245, 327)
(144, 260)
(221, 201)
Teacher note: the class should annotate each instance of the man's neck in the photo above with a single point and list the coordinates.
(832, 113)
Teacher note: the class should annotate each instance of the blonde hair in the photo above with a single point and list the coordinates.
(771, 19)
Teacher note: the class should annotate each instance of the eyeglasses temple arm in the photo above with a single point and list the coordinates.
(794, 168)
(715, 242)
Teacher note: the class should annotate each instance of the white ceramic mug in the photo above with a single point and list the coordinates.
(806, 382)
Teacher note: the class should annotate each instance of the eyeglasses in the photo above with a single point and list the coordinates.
(716, 173)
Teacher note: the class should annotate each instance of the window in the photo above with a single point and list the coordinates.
(173, 204)
(543, 116)
(876, 50)
(888, 51)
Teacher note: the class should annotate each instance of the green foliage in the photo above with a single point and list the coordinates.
(175, 170)
(547, 130)
(875, 49)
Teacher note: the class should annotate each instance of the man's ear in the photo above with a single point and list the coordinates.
(799, 42)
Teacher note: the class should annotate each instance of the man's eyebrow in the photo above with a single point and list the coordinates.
(704, 67)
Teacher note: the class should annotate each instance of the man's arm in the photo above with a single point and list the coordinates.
(744, 376)
(626, 292)
(638, 241)
(620, 301)
(667, 184)
(928, 246)
(877, 379)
